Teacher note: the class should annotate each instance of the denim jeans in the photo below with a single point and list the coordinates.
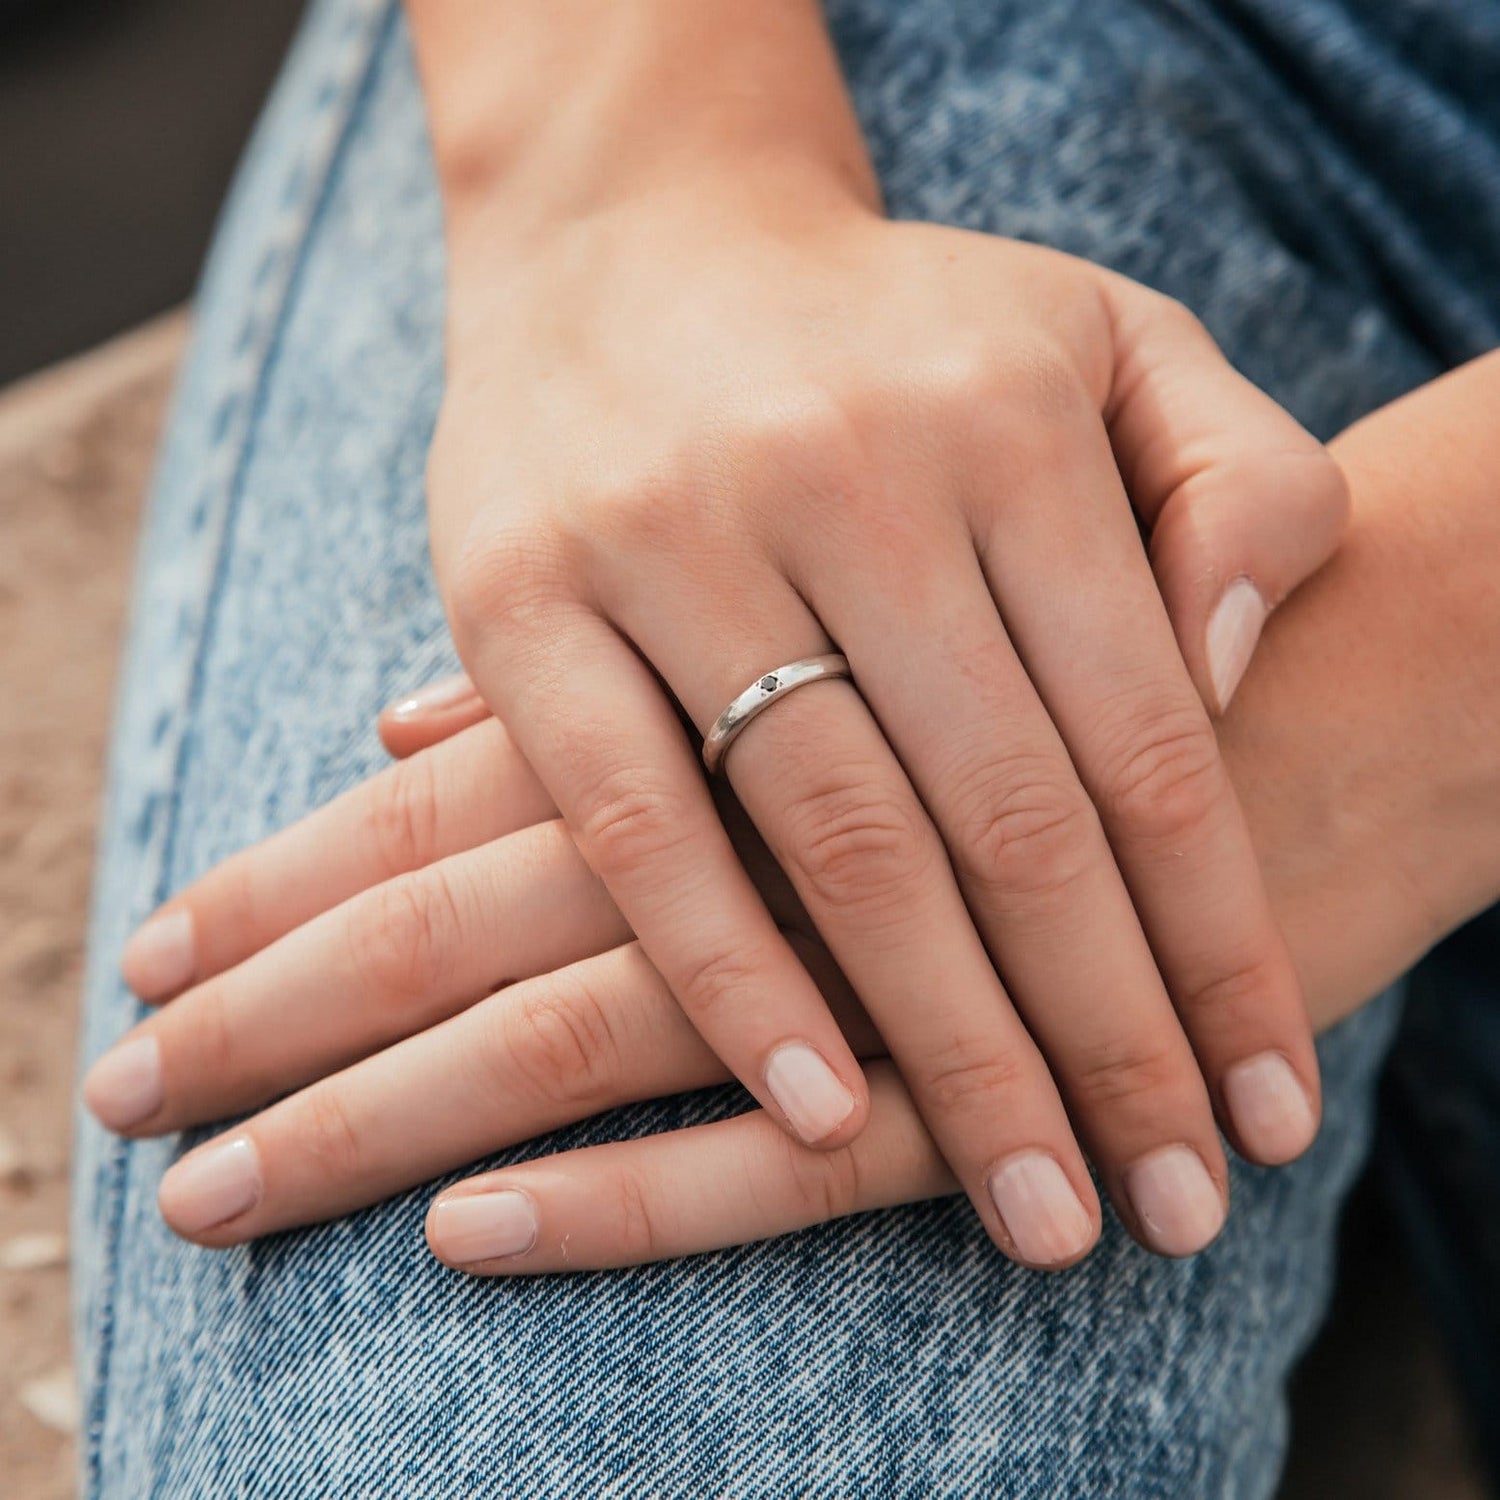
(1320, 181)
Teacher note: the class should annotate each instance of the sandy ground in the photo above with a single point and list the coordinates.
(1374, 1417)
(75, 449)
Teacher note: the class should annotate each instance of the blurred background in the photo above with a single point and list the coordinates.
(120, 124)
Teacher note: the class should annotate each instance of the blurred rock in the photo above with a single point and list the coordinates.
(33, 1252)
(53, 1400)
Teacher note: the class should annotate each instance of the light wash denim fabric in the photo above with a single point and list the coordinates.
(1320, 181)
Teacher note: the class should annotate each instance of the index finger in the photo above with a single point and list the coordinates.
(595, 722)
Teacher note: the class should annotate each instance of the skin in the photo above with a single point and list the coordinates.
(707, 412)
(1365, 746)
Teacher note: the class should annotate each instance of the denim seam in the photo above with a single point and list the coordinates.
(269, 320)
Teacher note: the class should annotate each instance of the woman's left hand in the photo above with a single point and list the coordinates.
(431, 964)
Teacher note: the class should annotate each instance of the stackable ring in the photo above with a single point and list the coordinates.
(761, 694)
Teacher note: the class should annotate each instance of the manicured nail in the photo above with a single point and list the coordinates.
(158, 960)
(435, 695)
(1176, 1201)
(808, 1091)
(1042, 1213)
(482, 1226)
(1271, 1111)
(210, 1186)
(124, 1087)
(1233, 630)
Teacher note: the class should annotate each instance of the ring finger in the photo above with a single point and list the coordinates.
(825, 790)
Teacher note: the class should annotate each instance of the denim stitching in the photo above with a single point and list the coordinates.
(272, 316)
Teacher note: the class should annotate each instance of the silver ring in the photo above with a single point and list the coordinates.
(761, 694)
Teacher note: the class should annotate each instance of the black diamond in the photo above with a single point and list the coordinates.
(768, 683)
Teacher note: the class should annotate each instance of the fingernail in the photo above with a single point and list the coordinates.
(124, 1087)
(1271, 1111)
(211, 1186)
(482, 1226)
(1176, 1201)
(158, 960)
(1233, 630)
(1042, 1213)
(808, 1091)
(442, 694)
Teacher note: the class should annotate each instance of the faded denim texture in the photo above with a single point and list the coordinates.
(1320, 181)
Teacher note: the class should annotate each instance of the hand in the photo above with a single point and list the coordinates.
(986, 416)
(707, 412)
(912, 445)
(1363, 745)
(901, 585)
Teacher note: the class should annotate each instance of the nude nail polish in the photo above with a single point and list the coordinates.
(211, 1186)
(482, 1226)
(158, 960)
(1271, 1111)
(125, 1086)
(1233, 630)
(1176, 1201)
(1041, 1212)
(436, 695)
(808, 1091)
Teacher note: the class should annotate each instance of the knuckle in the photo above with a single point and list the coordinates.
(853, 843)
(214, 1050)
(561, 1042)
(1046, 382)
(231, 897)
(1025, 401)
(1113, 1077)
(1022, 829)
(629, 824)
(644, 511)
(825, 1184)
(963, 1077)
(401, 938)
(500, 577)
(636, 1231)
(328, 1136)
(1167, 779)
(723, 983)
(1233, 998)
(403, 816)
(817, 441)
(198, 1042)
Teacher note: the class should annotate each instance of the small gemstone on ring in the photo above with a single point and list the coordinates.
(769, 682)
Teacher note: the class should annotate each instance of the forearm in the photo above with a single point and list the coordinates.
(541, 110)
(1379, 685)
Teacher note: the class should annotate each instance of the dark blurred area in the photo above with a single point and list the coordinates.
(120, 124)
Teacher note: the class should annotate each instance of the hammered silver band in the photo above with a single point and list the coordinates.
(761, 694)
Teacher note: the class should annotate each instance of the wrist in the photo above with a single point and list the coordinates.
(1366, 739)
(542, 112)
(1433, 546)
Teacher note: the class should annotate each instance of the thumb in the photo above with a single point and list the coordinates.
(1242, 503)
